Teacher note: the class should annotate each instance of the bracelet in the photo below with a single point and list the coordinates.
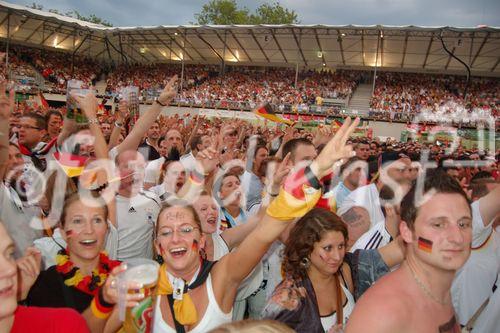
(272, 194)
(93, 121)
(99, 307)
(119, 125)
(157, 100)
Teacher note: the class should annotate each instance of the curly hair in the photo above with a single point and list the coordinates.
(305, 233)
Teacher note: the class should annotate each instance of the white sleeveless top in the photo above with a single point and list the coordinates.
(331, 320)
(212, 318)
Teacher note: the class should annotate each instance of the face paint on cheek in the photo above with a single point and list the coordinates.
(425, 244)
(161, 248)
(70, 233)
(194, 247)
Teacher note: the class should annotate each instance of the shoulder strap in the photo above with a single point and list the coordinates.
(206, 267)
(340, 308)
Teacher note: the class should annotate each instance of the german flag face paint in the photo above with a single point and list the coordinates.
(194, 247)
(70, 233)
(425, 245)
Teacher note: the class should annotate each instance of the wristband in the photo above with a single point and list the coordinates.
(157, 100)
(93, 121)
(119, 125)
(99, 307)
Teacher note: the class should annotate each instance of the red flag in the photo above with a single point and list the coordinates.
(43, 101)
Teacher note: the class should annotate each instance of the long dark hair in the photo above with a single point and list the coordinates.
(305, 233)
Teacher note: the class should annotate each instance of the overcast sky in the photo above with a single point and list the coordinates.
(458, 13)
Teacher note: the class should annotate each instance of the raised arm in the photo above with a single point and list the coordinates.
(140, 128)
(6, 106)
(120, 117)
(489, 205)
(299, 194)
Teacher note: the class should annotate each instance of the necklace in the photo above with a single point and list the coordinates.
(425, 289)
(73, 277)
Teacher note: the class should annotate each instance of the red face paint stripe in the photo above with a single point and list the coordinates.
(424, 244)
(194, 247)
(69, 233)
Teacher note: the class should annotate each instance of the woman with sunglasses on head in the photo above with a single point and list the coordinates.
(197, 295)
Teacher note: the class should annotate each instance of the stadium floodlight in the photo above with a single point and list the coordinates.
(142, 50)
(342, 34)
(320, 54)
(176, 34)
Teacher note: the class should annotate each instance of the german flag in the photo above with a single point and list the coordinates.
(71, 164)
(266, 111)
(338, 122)
(43, 101)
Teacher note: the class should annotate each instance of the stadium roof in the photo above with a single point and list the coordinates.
(405, 48)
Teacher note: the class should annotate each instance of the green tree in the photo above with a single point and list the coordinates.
(226, 12)
(274, 14)
(74, 14)
(222, 12)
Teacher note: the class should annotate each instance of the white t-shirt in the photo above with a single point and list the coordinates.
(17, 220)
(188, 161)
(136, 220)
(153, 169)
(374, 238)
(474, 282)
(367, 197)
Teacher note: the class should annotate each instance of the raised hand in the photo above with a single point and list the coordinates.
(122, 111)
(88, 104)
(335, 150)
(6, 102)
(169, 92)
(279, 175)
(28, 270)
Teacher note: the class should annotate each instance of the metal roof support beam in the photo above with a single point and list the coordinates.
(381, 48)
(480, 48)
(241, 46)
(428, 51)
(319, 45)
(258, 44)
(67, 36)
(339, 40)
(496, 65)
(452, 52)
(139, 53)
(20, 26)
(34, 31)
(107, 49)
(168, 47)
(124, 57)
(146, 40)
(210, 46)
(51, 34)
(121, 51)
(225, 44)
(279, 46)
(298, 45)
(363, 46)
(404, 50)
(191, 45)
(179, 45)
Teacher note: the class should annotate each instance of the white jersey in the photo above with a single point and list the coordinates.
(375, 238)
(475, 281)
(188, 161)
(367, 197)
(153, 170)
(18, 222)
(136, 220)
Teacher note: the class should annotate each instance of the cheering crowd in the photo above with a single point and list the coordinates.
(287, 227)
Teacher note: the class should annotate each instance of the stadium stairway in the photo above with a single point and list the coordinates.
(360, 100)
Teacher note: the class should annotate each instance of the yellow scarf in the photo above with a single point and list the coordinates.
(184, 310)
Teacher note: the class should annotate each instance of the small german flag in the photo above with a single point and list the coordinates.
(338, 123)
(425, 245)
(43, 101)
(266, 111)
(71, 164)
